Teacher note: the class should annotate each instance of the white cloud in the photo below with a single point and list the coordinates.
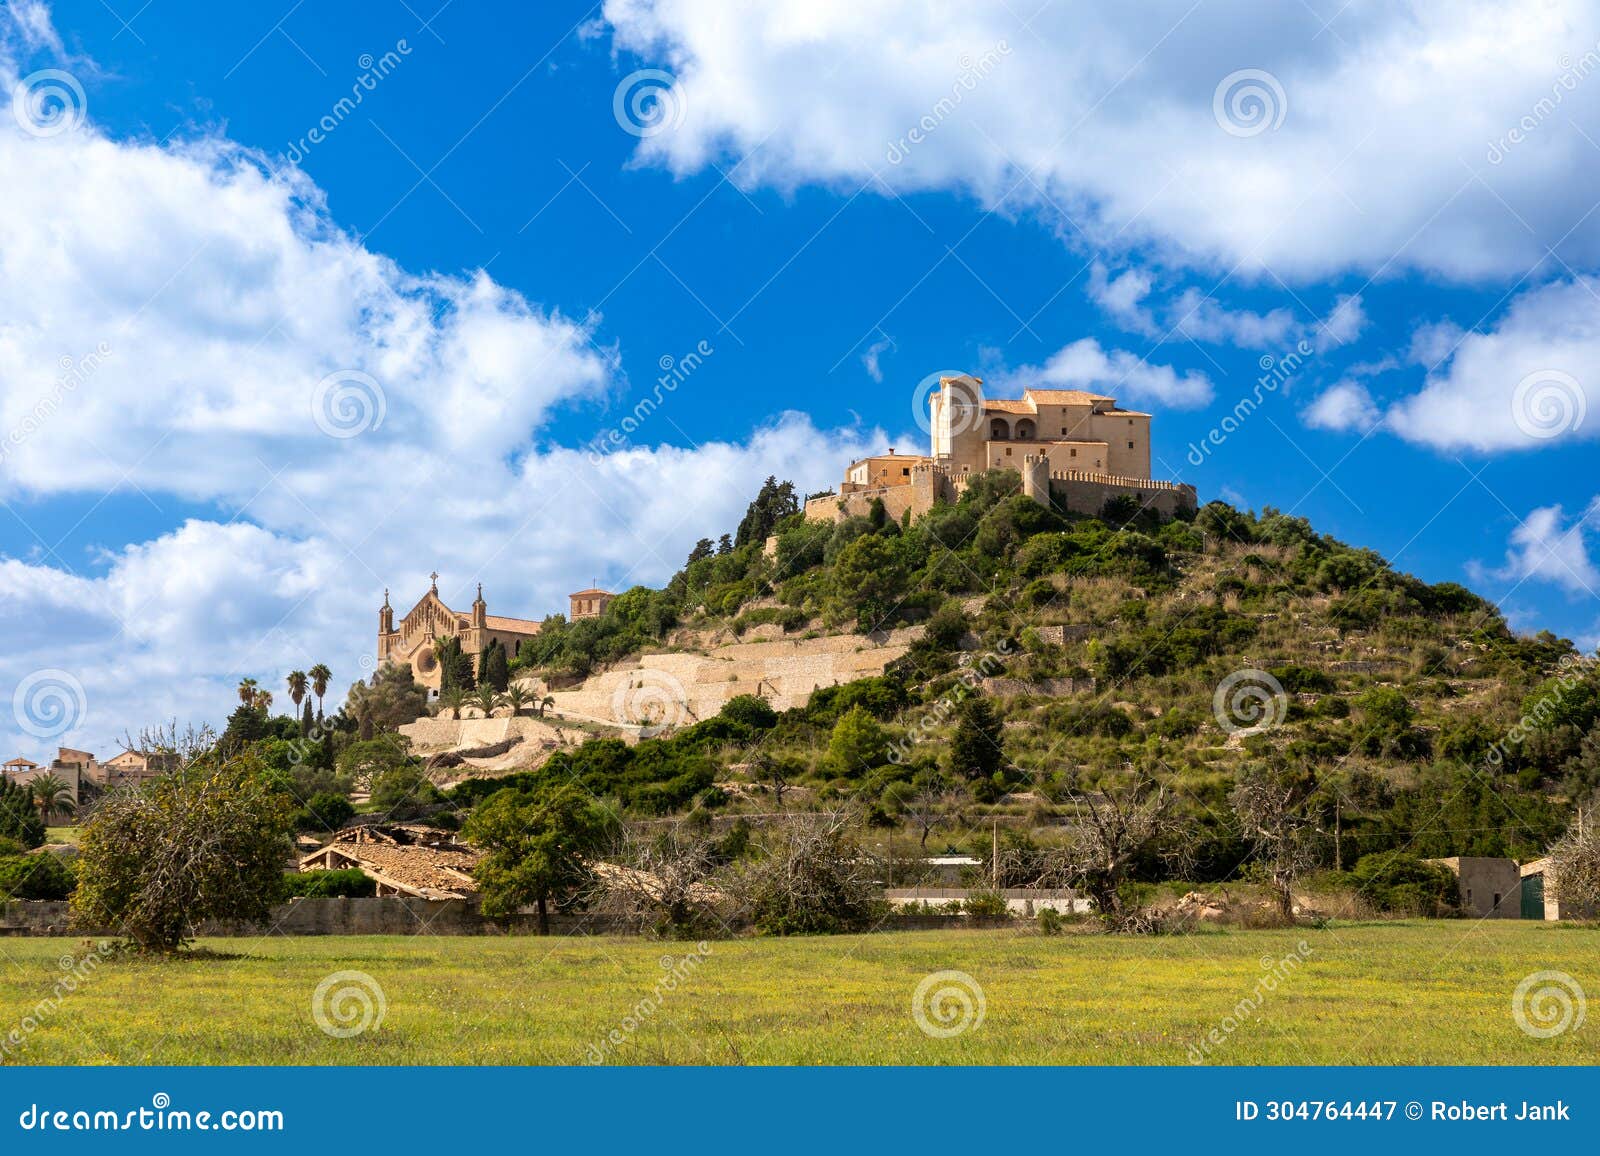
(1117, 373)
(1101, 119)
(199, 297)
(1545, 548)
(1198, 316)
(870, 359)
(1345, 406)
(1343, 324)
(1524, 383)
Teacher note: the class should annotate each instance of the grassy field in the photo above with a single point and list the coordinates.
(1371, 993)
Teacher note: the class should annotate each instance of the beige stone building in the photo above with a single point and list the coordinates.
(1074, 429)
(590, 603)
(1074, 449)
(78, 768)
(430, 620)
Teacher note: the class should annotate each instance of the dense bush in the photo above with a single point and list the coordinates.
(1403, 884)
(347, 884)
(37, 876)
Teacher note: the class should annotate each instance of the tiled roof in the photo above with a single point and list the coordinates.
(432, 867)
(513, 625)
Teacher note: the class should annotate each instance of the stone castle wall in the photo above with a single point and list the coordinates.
(1070, 491)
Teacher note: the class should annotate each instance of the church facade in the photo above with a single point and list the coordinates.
(411, 642)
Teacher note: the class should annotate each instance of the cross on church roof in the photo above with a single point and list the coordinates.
(434, 578)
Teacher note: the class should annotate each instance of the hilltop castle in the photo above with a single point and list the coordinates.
(1075, 450)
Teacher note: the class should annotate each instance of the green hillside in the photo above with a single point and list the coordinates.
(1414, 717)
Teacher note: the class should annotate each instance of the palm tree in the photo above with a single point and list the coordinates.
(486, 700)
(453, 700)
(263, 701)
(544, 704)
(297, 687)
(50, 794)
(516, 698)
(321, 676)
(247, 691)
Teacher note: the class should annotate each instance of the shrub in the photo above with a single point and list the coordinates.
(37, 876)
(1397, 882)
(325, 811)
(347, 884)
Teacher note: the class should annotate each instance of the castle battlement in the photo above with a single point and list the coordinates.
(1075, 451)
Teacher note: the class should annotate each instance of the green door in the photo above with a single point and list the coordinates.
(1533, 897)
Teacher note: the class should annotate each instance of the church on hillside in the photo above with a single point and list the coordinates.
(430, 620)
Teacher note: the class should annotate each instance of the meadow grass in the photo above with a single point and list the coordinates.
(1424, 992)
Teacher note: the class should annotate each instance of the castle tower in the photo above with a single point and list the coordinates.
(1036, 478)
(480, 610)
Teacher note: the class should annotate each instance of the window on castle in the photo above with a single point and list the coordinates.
(1072, 453)
(1130, 445)
(1008, 451)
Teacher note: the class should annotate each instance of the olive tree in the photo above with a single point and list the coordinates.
(538, 847)
(208, 842)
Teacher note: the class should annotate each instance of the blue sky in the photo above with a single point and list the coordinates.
(841, 199)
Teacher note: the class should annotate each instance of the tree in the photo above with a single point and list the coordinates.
(858, 744)
(307, 723)
(453, 700)
(977, 750)
(495, 667)
(297, 683)
(810, 877)
(320, 677)
(775, 502)
(264, 701)
(247, 691)
(50, 795)
(537, 847)
(206, 843)
(392, 699)
(1114, 829)
(1575, 865)
(544, 703)
(455, 668)
(1272, 807)
(516, 697)
(19, 817)
(927, 806)
(487, 699)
